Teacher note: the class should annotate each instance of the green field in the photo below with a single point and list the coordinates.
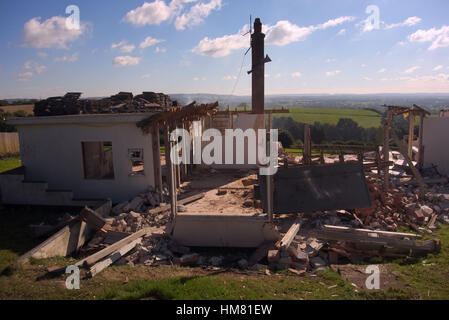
(28, 108)
(7, 164)
(365, 118)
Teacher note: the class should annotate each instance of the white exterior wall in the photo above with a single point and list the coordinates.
(53, 153)
(436, 143)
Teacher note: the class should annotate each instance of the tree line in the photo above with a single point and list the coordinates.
(345, 132)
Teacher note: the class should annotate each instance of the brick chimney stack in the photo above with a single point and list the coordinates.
(258, 68)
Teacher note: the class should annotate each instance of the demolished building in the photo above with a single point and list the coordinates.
(76, 157)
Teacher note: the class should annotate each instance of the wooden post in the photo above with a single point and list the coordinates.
(386, 149)
(341, 157)
(411, 134)
(307, 145)
(378, 162)
(171, 175)
(184, 148)
(420, 141)
(269, 186)
(418, 177)
(322, 160)
(156, 148)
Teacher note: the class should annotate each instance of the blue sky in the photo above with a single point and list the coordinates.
(196, 46)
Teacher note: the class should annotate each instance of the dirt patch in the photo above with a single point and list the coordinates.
(357, 276)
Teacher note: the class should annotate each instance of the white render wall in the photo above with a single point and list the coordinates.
(436, 145)
(53, 153)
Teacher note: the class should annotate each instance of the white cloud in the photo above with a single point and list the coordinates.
(401, 43)
(72, 58)
(51, 33)
(342, 32)
(118, 45)
(158, 11)
(146, 76)
(34, 66)
(25, 76)
(230, 78)
(332, 73)
(150, 13)
(412, 69)
(160, 50)
(277, 76)
(196, 14)
(123, 46)
(367, 79)
(127, 48)
(335, 22)
(125, 61)
(282, 33)
(382, 70)
(438, 37)
(149, 41)
(223, 46)
(407, 23)
(437, 68)
(330, 60)
(42, 55)
(285, 32)
(196, 79)
(296, 75)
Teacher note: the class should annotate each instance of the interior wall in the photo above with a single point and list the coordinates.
(435, 141)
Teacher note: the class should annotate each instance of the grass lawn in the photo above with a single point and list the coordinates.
(365, 118)
(9, 163)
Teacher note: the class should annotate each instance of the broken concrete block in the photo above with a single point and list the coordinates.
(221, 192)
(243, 263)
(317, 262)
(135, 215)
(134, 205)
(118, 209)
(151, 200)
(303, 257)
(418, 215)
(273, 256)
(216, 261)
(333, 257)
(426, 211)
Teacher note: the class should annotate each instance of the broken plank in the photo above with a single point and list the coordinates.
(107, 251)
(260, 253)
(290, 235)
(179, 202)
(366, 231)
(100, 266)
(416, 174)
(93, 219)
(399, 245)
(250, 182)
(426, 181)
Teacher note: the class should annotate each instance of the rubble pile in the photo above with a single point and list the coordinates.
(123, 102)
(401, 206)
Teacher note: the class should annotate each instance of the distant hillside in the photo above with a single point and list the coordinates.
(432, 102)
